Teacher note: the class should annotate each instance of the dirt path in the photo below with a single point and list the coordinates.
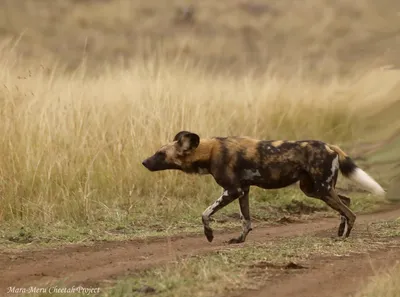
(104, 261)
(330, 276)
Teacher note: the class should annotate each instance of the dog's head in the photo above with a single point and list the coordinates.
(174, 154)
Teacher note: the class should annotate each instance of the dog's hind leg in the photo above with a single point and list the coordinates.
(335, 202)
(244, 216)
(347, 201)
(340, 203)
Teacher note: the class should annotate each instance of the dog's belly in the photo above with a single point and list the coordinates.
(269, 178)
(275, 184)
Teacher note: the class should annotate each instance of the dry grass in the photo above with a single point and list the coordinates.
(71, 146)
(71, 143)
(384, 284)
(325, 37)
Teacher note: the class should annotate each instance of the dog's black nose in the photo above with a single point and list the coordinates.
(145, 163)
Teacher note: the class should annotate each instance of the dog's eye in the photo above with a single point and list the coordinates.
(160, 155)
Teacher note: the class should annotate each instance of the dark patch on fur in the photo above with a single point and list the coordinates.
(265, 148)
(347, 166)
(220, 167)
(244, 163)
(197, 166)
(180, 134)
(235, 193)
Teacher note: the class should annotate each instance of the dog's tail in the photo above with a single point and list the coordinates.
(350, 170)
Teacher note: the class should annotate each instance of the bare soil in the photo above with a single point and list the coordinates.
(330, 276)
(104, 261)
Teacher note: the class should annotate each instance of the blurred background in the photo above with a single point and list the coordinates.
(228, 35)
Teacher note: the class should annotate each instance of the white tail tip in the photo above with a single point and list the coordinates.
(362, 178)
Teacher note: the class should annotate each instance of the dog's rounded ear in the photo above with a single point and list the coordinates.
(187, 140)
(180, 134)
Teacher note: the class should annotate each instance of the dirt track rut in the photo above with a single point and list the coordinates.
(330, 276)
(104, 261)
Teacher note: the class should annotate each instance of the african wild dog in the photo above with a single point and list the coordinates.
(236, 163)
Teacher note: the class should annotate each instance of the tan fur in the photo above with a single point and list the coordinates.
(232, 157)
(216, 148)
(171, 152)
(277, 143)
(341, 153)
(329, 150)
(304, 144)
(202, 152)
(251, 152)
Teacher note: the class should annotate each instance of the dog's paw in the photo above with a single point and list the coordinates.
(208, 232)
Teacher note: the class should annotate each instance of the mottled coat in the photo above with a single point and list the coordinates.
(237, 163)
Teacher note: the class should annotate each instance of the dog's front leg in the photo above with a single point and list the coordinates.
(227, 197)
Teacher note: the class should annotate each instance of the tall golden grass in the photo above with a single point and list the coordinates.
(71, 146)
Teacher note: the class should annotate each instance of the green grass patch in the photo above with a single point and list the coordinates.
(265, 206)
